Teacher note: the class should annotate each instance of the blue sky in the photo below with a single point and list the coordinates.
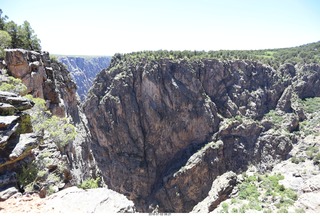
(105, 27)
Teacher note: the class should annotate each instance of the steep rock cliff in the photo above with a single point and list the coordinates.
(84, 69)
(45, 79)
(50, 80)
(165, 129)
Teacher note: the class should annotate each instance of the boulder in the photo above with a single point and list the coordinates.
(6, 194)
(20, 103)
(6, 121)
(26, 143)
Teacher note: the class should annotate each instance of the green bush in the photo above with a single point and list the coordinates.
(14, 85)
(264, 187)
(234, 210)
(28, 174)
(5, 42)
(90, 183)
(297, 160)
(248, 191)
(274, 117)
(312, 151)
(59, 129)
(311, 105)
(282, 210)
(225, 207)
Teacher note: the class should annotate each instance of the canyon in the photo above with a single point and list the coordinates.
(172, 133)
(83, 70)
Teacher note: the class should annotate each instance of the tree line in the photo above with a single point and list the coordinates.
(304, 54)
(13, 35)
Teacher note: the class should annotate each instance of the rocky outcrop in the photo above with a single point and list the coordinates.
(84, 69)
(46, 79)
(16, 139)
(164, 130)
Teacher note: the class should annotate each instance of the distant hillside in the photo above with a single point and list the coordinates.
(84, 69)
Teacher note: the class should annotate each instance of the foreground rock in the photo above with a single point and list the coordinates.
(70, 200)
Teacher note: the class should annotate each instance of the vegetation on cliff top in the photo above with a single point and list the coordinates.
(308, 53)
(17, 36)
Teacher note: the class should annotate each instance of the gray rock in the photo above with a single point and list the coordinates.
(20, 103)
(310, 201)
(44, 79)
(76, 200)
(6, 134)
(24, 146)
(7, 109)
(9, 178)
(220, 190)
(6, 121)
(6, 194)
(312, 184)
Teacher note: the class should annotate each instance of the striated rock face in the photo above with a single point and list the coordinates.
(164, 130)
(16, 139)
(84, 69)
(45, 79)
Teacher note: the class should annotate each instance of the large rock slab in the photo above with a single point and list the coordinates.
(6, 194)
(100, 200)
(26, 143)
(7, 109)
(20, 103)
(6, 121)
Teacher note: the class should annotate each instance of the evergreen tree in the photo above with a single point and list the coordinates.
(5, 42)
(13, 30)
(29, 39)
(2, 20)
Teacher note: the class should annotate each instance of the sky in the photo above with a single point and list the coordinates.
(105, 27)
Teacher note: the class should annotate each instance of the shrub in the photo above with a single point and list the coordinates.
(282, 210)
(14, 85)
(297, 160)
(234, 210)
(249, 191)
(59, 129)
(316, 158)
(90, 183)
(274, 117)
(27, 175)
(311, 105)
(267, 211)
